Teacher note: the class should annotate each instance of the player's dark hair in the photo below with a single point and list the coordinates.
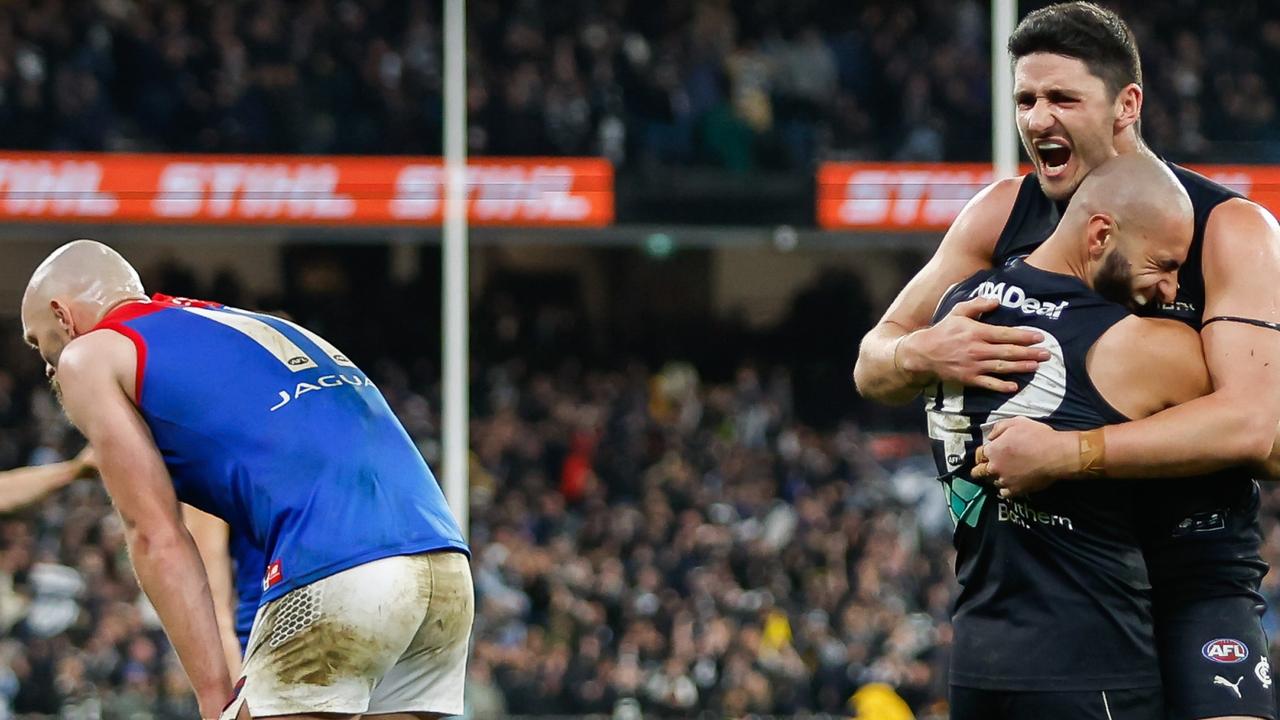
(1091, 34)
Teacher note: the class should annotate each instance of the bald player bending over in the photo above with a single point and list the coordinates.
(1054, 617)
(367, 600)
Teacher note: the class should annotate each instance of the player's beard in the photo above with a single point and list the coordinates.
(57, 390)
(1114, 280)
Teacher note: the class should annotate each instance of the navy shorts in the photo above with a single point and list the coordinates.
(1213, 658)
(1131, 704)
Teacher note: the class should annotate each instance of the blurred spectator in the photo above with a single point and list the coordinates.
(643, 543)
(740, 85)
(646, 544)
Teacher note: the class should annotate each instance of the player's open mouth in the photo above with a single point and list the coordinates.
(1054, 156)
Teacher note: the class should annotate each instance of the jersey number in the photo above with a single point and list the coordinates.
(1039, 398)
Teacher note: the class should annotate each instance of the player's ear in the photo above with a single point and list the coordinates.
(1128, 106)
(62, 314)
(1098, 234)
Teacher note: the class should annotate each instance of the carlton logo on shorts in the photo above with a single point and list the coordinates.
(1225, 650)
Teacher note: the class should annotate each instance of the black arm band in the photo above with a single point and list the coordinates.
(1246, 321)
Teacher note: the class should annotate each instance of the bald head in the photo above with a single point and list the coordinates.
(1126, 232)
(1137, 191)
(70, 292)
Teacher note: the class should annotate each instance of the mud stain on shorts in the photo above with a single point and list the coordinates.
(323, 653)
(452, 603)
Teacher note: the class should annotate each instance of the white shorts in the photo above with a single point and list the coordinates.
(384, 637)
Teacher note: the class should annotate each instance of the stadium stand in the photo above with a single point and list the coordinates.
(643, 539)
(737, 85)
(647, 540)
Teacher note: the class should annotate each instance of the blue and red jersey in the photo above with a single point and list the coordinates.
(250, 565)
(269, 427)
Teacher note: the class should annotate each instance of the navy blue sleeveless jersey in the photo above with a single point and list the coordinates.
(266, 425)
(1054, 593)
(1201, 533)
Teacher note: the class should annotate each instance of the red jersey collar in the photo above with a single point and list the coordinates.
(127, 311)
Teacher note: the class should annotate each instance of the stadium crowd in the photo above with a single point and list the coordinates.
(645, 542)
(641, 539)
(739, 84)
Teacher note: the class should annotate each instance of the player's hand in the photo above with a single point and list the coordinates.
(85, 464)
(1023, 456)
(961, 349)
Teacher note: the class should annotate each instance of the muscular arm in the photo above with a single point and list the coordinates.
(92, 374)
(958, 349)
(211, 536)
(22, 486)
(1237, 422)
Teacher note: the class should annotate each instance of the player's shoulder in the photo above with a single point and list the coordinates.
(1233, 224)
(1150, 343)
(1239, 214)
(980, 222)
(994, 202)
(1161, 333)
(1167, 354)
(98, 352)
(101, 344)
(1241, 240)
(1001, 191)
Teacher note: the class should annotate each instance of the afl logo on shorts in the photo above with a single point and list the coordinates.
(1225, 651)
(299, 360)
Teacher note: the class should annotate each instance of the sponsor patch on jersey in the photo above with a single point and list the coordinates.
(321, 383)
(1015, 298)
(1225, 650)
(275, 573)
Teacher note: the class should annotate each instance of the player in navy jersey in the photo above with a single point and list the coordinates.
(367, 600)
(1054, 615)
(1078, 88)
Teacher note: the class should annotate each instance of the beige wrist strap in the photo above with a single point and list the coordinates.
(1093, 453)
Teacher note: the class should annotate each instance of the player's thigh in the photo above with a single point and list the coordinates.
(1214, 659)
(320, 650)
(428, 678)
